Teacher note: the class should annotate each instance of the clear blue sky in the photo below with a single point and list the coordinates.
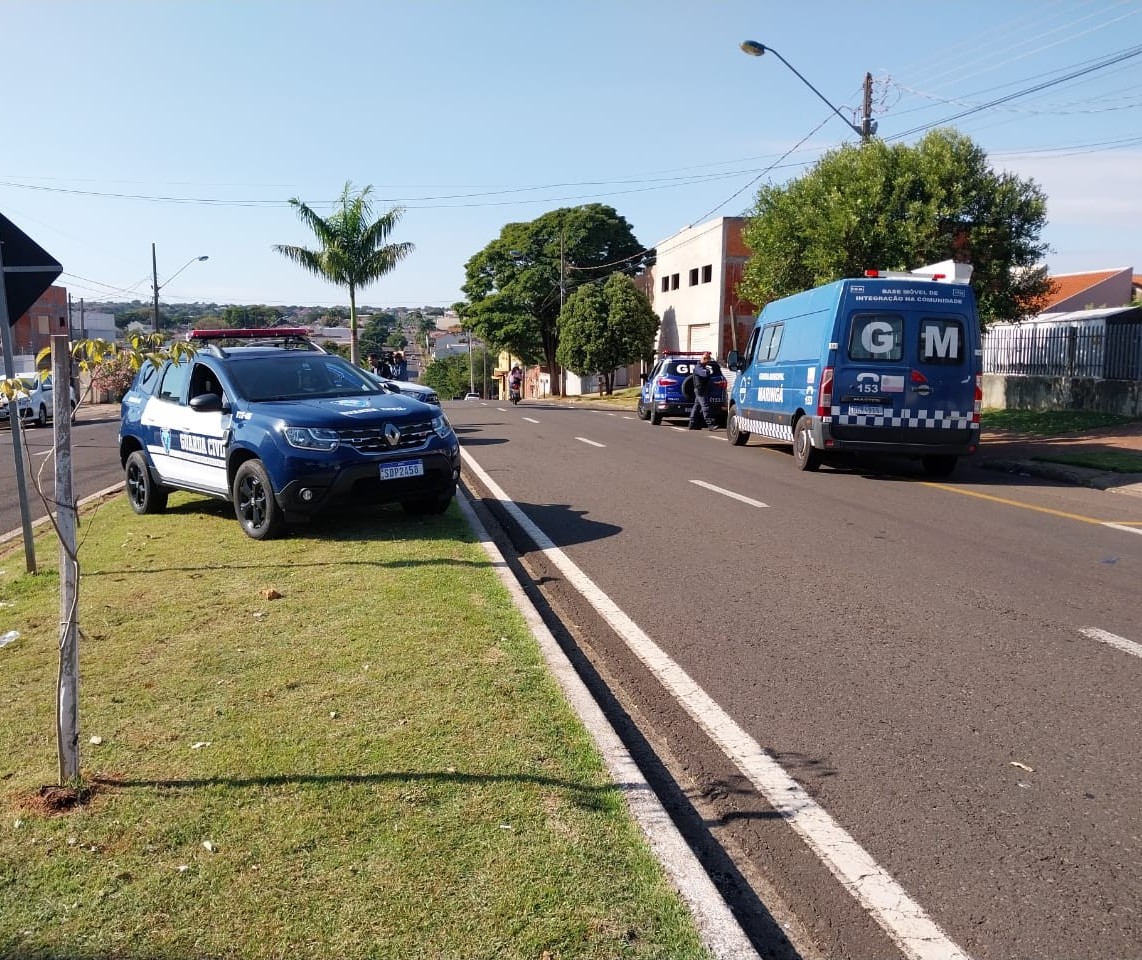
(190, 125)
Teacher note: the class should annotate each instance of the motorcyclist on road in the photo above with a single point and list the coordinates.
(515, 383)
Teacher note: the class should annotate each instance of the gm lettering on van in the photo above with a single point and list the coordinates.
(944, 344)
(877, 337)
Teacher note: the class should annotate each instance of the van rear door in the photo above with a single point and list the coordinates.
(906, 377)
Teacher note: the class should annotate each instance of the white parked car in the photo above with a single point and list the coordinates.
(415, 390)
(35, 400)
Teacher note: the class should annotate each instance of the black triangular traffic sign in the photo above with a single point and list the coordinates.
(28, 269)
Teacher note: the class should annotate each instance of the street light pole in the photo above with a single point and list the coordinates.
(155, 281)
(867, 127)
(155, 287)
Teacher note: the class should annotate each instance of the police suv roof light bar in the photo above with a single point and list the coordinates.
(262, 333)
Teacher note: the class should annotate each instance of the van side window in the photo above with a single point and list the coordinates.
(747, 355)
(876, 336)
(770, 341)
(942, 340)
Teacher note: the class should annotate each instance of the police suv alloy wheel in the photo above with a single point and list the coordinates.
(254, 504)
(143, 494)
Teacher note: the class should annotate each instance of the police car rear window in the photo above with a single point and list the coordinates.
(684, 368)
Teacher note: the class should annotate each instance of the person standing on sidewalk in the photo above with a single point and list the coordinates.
(702, 374)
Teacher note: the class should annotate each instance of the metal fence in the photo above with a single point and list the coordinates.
(1106, 351)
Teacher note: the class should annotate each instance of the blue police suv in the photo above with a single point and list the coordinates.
(270, 422)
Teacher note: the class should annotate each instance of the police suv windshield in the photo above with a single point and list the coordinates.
(296, 375)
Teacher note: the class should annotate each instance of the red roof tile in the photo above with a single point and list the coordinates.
(1068, 285)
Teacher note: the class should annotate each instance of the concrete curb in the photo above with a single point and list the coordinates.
(717, 927)
(1126, 483)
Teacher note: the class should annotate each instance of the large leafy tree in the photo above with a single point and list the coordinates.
(517, 285)
(354, 249)
(606, 324)
(897, 208)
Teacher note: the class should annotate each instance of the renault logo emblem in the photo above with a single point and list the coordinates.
(392, 434)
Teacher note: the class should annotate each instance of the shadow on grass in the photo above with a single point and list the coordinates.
(585, 796)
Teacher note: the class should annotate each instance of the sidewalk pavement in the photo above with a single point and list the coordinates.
(1023, 454)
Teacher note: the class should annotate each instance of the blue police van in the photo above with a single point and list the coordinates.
(888, 363)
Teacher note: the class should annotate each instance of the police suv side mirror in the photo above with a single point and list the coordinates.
(206, 403)
(732, 359)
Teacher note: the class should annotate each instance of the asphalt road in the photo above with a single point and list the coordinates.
(94, 463)
(933, 664)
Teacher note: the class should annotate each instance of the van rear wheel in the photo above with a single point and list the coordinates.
(805, 457)
(939, 466)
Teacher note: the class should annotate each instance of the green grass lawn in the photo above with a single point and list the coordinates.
(1045, 424)
(1049, 423)
(374, 764)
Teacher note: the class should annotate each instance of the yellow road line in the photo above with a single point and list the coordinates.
(1015, 503)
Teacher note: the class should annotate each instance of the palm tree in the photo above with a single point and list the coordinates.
(354, 251)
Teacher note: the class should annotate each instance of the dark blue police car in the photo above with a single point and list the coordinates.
(272, 423)
(669, 389)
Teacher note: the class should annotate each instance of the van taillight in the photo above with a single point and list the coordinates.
(978, 398)
(825, 394)
(918, 377)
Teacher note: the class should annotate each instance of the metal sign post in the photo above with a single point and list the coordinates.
(17, 426)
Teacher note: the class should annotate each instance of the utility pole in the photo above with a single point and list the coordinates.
(867, 126)
(155, 286)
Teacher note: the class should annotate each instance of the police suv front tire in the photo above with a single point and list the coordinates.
(254, 505)
(143, 493)
(805, 457)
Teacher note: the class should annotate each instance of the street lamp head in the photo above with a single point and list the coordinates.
(205, 256)
(753, 48)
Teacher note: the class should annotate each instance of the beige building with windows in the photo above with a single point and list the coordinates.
(694, 290)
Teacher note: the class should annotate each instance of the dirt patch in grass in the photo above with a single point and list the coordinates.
(51, 801)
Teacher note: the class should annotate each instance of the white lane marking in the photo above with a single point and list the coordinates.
(531, 420)
(720, 931)
(729, 493)
(1121, 526)
(502, 409)
(913, 931)
(593, 443)
(1121, 643)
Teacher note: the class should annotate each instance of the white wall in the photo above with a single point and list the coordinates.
(691, 312)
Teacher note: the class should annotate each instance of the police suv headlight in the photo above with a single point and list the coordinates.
(312, 438)
(442, 427)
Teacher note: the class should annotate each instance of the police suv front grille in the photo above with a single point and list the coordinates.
(373, 439)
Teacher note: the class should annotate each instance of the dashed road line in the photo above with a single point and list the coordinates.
(878, 893)
(729, 493)
(531, 419)
(593, 443)
(1120, 643)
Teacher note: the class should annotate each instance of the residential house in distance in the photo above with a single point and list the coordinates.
(1090, 290)
(694, 289)
(1082, 351)
(32, 332)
